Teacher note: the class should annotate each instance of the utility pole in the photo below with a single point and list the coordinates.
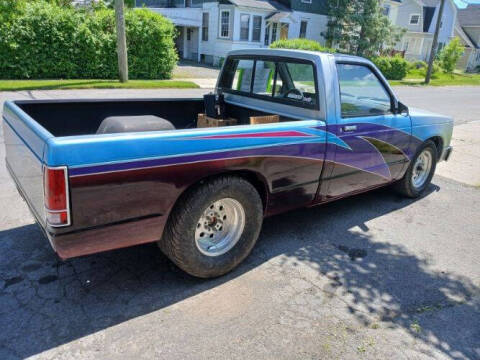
(433, 51)
(121, 41)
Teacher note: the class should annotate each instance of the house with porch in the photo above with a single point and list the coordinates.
(209, 29)
(419, 18)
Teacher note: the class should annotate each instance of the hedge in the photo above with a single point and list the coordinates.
(300, 44)
(393, 68)
(41, 40)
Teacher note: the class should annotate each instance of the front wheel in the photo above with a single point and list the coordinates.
(213, 227)
(420, 171)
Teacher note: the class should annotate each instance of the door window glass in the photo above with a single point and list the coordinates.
(361, 92)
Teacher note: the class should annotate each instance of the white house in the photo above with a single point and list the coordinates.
(419, 18)
(209, 29)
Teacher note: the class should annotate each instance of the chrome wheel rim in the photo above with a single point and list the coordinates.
(421, 169)
(220, 227)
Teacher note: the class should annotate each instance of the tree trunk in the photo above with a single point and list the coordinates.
(121, 41)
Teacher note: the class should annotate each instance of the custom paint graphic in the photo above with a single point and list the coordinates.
(374, 154)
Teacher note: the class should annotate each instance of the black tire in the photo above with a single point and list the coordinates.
(178, 241)
(405, 186)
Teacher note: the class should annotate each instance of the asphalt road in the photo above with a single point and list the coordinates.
(372, 276)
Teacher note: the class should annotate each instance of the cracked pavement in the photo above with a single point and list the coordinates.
(374, 276)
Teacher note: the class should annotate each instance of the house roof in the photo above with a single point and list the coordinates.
(261, 4)
(470, 16)
(277, 16)
(430, 3)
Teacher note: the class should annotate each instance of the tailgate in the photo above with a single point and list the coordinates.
(25, 141)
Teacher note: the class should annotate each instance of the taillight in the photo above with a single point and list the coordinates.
(57, 207)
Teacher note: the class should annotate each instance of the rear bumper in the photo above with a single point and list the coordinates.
(109, 237)
(446, 153)
(104, 238)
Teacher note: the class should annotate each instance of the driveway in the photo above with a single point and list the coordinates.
(374, 276)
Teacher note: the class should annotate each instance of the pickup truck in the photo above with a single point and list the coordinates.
(152, 175)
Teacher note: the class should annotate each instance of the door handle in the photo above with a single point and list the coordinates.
(348, 128)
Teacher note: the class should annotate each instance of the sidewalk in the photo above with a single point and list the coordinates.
(464, 163)
(204, 83)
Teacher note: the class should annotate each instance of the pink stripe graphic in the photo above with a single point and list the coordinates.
(291, 133)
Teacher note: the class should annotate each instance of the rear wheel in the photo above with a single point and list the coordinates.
(213, 227)
(420, 171)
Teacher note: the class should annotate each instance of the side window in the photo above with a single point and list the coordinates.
(361, 92)
(264, 78)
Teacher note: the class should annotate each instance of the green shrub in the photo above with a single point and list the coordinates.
(450, 55)
(300, 44)
(422, 72)
(419, 64)
(393, 68)
(43, 40)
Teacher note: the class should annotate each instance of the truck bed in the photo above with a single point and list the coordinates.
(83, 117)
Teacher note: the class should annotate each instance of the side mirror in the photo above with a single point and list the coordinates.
(401, 109)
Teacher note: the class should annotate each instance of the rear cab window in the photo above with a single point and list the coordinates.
(289, 81)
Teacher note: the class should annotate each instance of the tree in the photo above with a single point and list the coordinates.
(450, 55)
(359, 27)
(121, 41)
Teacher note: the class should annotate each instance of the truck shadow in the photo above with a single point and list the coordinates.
(45, 303)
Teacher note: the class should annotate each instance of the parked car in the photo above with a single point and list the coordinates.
(106, 174)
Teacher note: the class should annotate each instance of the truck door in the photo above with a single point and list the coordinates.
(375, 138)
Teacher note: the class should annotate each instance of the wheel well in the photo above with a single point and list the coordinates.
(437, 140)
(252, 177)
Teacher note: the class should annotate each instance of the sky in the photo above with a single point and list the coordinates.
(463, 3)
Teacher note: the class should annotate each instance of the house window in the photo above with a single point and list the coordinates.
(244, 27)
(205, 18)
(303, 30)
(274, 32)
(189, 34)
(386, 10)
(257, 28)
(414, 19)
(225, 24)
(267, 35)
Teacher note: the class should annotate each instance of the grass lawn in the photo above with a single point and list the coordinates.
(415, 78)
(16, 85)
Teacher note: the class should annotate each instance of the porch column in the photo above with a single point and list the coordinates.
(200, 29)
(185, 46)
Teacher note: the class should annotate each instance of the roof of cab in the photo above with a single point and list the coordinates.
(297, 53)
